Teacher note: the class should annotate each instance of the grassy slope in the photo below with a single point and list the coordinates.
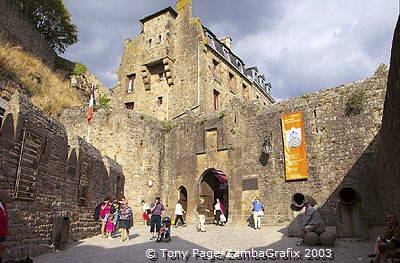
(48, 90)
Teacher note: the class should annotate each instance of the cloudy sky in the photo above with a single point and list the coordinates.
(300, 46)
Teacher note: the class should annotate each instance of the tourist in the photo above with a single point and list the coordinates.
(126, 216)
(388, 242)
(258, 212)
(110, 225)
(104, 214)
(311, 222)
(179, 213)
(201, 211)
(3, 225)
(115, 205)
(146, 213)
(219, 213)
(157, 209)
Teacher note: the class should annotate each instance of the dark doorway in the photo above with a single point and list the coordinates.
(183, 199)
(213, 185)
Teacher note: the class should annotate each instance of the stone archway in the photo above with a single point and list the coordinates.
(213, 184)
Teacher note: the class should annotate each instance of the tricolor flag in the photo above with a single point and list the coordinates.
(92, 102)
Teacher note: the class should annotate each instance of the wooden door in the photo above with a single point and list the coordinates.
(207, 193)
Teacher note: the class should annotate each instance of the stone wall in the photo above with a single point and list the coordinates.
(134, 140)
(17, 29)
(389, 146)
(62, 164)
(341, 150)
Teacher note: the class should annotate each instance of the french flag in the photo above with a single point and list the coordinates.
(92, 102)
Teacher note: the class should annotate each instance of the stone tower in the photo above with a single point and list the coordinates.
(177, 65)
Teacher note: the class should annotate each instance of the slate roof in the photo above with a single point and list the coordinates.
(168, 9)
(233, 60)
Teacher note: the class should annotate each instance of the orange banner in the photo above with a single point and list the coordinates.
(295, 146)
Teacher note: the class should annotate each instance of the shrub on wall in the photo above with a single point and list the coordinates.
(355, 104)
(79, 69)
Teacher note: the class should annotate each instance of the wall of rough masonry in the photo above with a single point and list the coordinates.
(134, 140)
(17, 29)
(59, 171)
(178, 49)
(341, 150)
(389, 145)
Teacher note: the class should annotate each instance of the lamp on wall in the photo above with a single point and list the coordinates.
(267, 146)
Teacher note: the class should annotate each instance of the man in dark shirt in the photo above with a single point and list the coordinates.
(155, 222)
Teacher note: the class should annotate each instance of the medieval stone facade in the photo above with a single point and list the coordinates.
(181, 143)
(45, 174)
(176, 64)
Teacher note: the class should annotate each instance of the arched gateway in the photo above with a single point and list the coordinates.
(214, 184)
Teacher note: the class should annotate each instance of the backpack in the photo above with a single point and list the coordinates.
(96, 214)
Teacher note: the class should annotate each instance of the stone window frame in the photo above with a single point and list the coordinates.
(131, 85)
(210, 40)
(215, 69)
(231, 81)
(216, 94)
(129, 104)
(226, 54)
(159, 101)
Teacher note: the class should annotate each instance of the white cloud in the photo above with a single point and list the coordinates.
(301, 46)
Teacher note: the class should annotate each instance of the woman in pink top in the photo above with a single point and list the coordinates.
(104, 215)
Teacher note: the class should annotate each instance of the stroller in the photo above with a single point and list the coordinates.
(165, 231)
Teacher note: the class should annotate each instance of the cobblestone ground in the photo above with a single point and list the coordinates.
(97, 249)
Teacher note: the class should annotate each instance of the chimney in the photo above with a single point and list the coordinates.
(184, 7)
(227, 41)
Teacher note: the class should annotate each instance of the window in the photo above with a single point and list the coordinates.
(231, 81)
(239, 65)
(215, 69)
(226, 54)
(131, 83)
(210, 40)
(159, 101)
(257, 97)
(130, 105)
(216, 95)
(149, 42)
(159, 39)
(161, 76)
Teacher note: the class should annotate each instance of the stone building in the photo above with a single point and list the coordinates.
(183, 156)
(176, 64)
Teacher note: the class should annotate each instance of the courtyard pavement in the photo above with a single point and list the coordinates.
(204, 247)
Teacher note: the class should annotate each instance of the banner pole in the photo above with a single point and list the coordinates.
(88, 134)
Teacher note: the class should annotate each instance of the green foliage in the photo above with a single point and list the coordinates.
(222, 114)
(102, 102)
(52, 20)
(356, 103)
(167, 126)
(141, 116)
(79, 69)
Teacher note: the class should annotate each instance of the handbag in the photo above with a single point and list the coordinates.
(261, 213)
(222, 218)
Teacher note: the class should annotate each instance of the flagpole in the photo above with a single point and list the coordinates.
(88, 133)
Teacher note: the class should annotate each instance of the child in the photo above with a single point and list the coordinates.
(110, 226)
(126, 220)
